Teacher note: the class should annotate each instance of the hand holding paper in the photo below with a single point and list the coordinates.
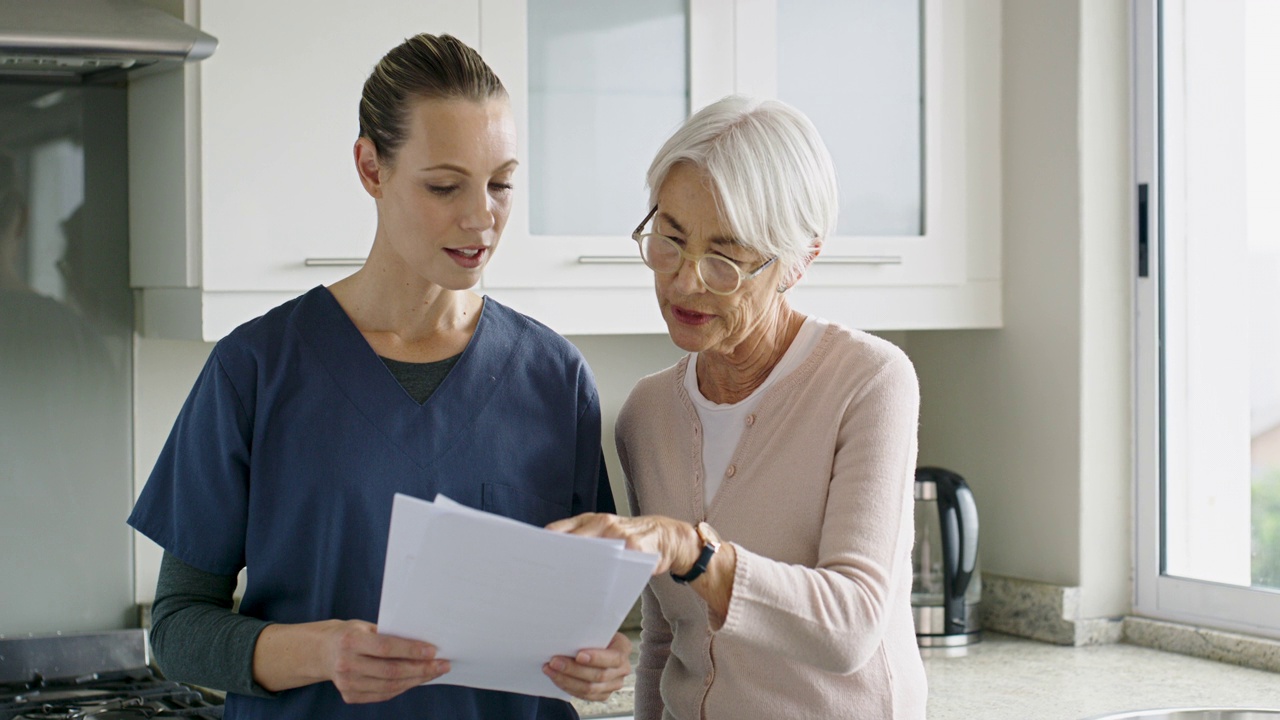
(500, 598)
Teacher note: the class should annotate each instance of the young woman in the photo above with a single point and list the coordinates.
(306, 421)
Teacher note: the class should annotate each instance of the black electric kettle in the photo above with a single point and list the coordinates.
(946, 586)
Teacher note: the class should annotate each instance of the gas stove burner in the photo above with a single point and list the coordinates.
(124, 698)
(120, 708)
(94, 676)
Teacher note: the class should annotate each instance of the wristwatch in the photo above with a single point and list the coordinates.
(710, 544)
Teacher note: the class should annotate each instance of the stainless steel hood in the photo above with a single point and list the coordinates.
(82, 40)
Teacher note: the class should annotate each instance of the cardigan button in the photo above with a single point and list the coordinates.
(751, 420)
(731, 471)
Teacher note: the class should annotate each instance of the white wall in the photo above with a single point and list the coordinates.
(1036, 415)
(164, 371)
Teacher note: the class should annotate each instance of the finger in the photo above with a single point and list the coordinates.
(356, 688)
(573, 524)
(578, 687)
(372, 670)
(602, 658)
(598, 672)
(391, 647)
(621, 643)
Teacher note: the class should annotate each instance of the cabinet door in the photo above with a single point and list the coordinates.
(596, 87)
(281, 202)
(885, 90)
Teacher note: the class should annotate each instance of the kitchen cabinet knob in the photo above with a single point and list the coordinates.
(333, 262)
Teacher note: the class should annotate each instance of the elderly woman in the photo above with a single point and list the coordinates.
(772, 467)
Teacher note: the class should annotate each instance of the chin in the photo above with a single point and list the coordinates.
(452, 279)
(685, 338)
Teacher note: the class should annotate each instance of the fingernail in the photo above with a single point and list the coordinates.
(557, 664)
(584, 658)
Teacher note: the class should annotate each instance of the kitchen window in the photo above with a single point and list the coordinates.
(1207, 316)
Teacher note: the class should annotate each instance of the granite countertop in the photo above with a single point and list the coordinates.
(1009, 678)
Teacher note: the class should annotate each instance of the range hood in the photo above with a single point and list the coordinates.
(83, 40)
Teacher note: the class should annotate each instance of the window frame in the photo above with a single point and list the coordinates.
(1255, 611)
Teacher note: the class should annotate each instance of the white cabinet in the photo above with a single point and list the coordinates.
(243, 190)
(905, 93)
(243, 187)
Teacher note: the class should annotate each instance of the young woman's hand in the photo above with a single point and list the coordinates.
(365, 666)
(592, 674)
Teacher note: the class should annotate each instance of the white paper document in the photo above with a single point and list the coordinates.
(499, 598)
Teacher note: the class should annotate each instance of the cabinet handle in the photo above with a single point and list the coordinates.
(859, 259)
(608, 260)
(333, 262)
(825, 259)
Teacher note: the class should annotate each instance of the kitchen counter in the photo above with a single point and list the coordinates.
(1008, 678)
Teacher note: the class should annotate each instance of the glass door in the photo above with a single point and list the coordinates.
(596, 87)
(1208, 312)
(887, 95)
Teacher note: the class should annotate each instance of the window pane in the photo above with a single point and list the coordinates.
(854, 67)
(608, 82)
(1262, 172)
(1221, 301)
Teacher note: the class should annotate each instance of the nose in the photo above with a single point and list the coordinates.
(479, 214)
(686, 279)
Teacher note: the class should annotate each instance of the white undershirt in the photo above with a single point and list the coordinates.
(722, 424)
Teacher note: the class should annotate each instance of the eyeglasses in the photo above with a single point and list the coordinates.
(717, 273)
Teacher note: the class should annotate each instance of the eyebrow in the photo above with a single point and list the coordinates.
(463, 171)
(717, 240)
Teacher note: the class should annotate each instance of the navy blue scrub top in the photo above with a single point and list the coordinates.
(288, 451)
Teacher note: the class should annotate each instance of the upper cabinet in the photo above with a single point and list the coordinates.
(904, 92)
(244, 191)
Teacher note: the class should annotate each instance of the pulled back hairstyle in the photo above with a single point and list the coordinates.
(433, 67)
(775, 182)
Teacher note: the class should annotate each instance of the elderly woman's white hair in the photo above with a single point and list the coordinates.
(773, 176)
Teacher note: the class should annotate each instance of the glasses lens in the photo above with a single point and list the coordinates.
(719, 274)
(659, 253)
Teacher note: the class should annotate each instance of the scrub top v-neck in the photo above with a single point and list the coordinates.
(296, 436)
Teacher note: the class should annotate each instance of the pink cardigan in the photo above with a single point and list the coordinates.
(818, 502)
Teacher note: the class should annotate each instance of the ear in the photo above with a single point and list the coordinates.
(371, 172)
(814, 250)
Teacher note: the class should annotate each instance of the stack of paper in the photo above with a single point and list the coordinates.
(499, 598)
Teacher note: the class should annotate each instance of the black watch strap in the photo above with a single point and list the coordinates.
(699, 566)
(710, 543)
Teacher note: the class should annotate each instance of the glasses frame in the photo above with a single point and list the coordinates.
(743, 275)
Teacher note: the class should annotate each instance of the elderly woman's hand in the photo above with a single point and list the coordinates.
(593, 674)
(675, 542)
